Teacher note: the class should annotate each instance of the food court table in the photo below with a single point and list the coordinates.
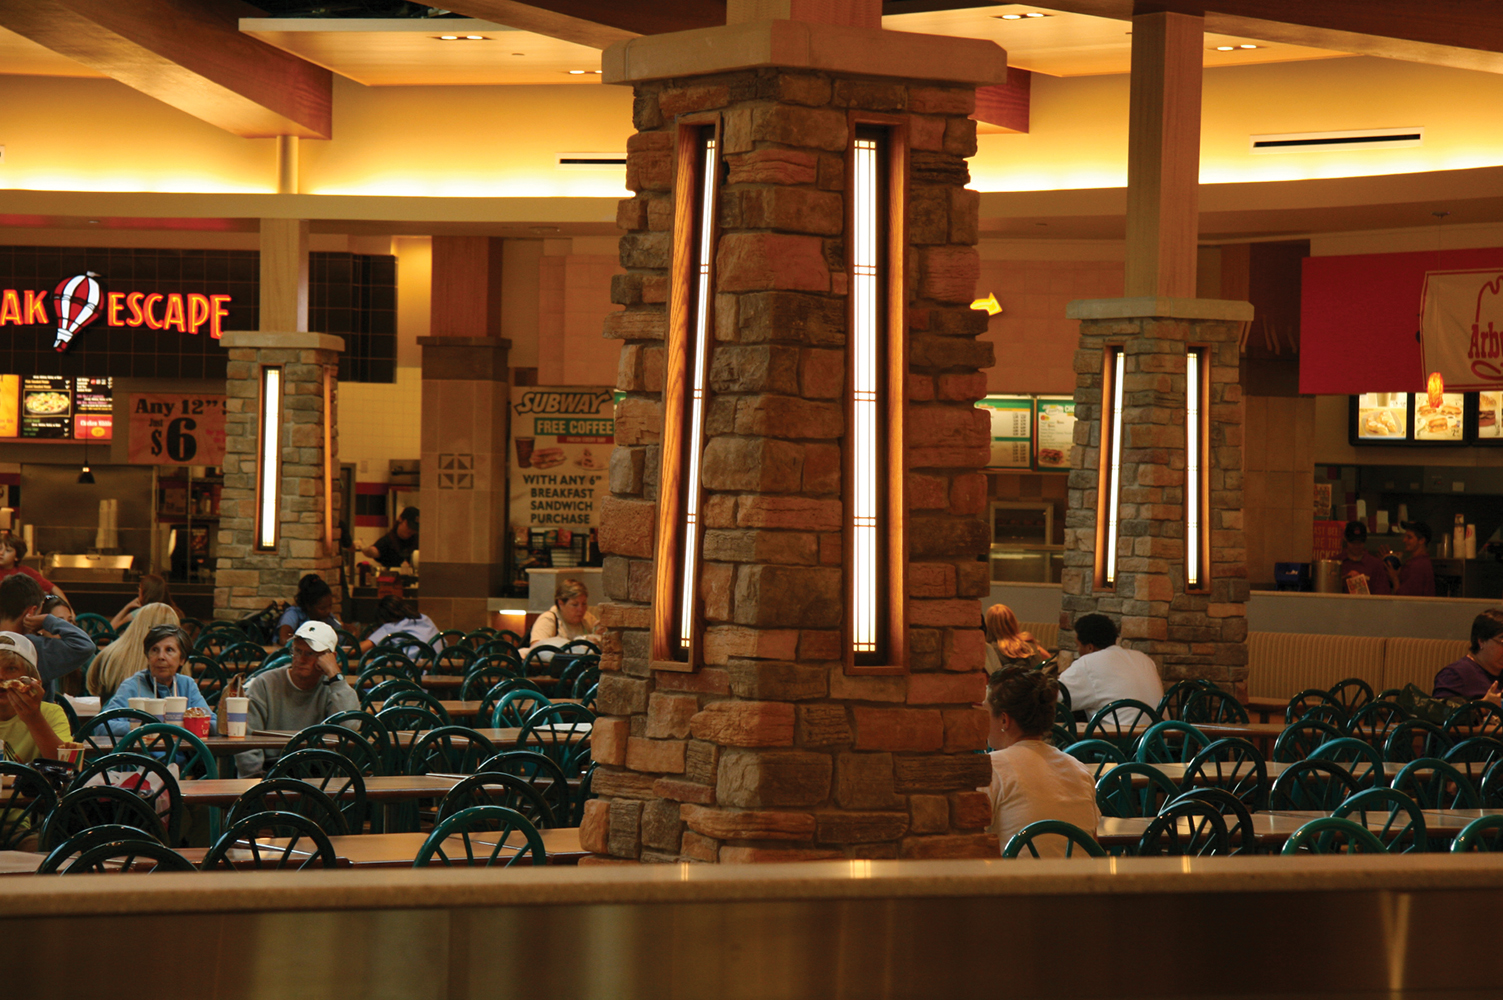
(1274, 827)
(397, 850)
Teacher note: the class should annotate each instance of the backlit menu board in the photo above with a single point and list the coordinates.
(1012, 431)
(1056, 431)
(48, 407)
(1488, 416)
(1383, 416)
(1439, 423)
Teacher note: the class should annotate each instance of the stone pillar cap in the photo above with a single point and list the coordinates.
(1149, 307)
(787, 44)
(292, 341)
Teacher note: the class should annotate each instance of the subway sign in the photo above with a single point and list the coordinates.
(79, 301)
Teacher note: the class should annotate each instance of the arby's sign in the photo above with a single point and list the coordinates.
(1461, 328)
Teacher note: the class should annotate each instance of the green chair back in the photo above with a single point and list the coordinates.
(1233, 765)
(1434, 784)
(123, 856)
(1300, 738)
(82, 841)
(1312, 785)
(538, 771)
(1361, 759)
(449, 750)
(24, 805)
(96, 733)
(172, 743)
(1475, 718)
(516, 706)
(1122, 722)
(560, 732)
(137, 773)
(290, 795)
(333, 774)
(1352, 694)
(420, 699)
(1099, 755)
(1133, 789)
(1171, 706)
(1403, 829)
(490, 836)
(242, 657)
(94, 625)
(1242, 835)
(1186, 827)
(97, 805)
(306, 845)
(370, 756)
(1330, 835)
(1027, 839)
(1483, 835)
(1415, 738)
(1374, 721)
(1211, 704)
(492, 788)
(1171, 742)
(1311, 699)
(208, 675)
(386, 689)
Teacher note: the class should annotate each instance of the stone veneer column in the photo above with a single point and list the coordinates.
(1187, 634)
(770, 751)
(466, 400)
(245, 580)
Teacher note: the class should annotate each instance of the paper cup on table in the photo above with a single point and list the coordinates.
(235, 710)
(174, 709)
(71, 754)
(155, 707)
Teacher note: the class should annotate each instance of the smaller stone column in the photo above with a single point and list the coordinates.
(246, 580)
(1189, 634)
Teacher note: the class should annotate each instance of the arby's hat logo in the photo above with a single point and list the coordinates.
(76, 302)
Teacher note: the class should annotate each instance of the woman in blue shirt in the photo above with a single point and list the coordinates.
(314, 603)
(165, 653)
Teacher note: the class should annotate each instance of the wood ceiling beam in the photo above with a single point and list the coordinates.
(1466, 34)
(593, 22)
(189, 54)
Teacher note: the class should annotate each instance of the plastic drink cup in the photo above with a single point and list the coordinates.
(524, 451)
(156, 707)
(174, 709)
(235, 710)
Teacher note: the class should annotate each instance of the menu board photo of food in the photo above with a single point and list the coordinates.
(1439, 422)
(56, 407)
(1488, 423)
(46, 407)
(1383, 416)
(1012, 431)
(1056, 431)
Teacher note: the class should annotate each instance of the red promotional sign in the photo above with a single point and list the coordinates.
(170, 429)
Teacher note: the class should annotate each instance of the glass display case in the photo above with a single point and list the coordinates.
(1022, 547)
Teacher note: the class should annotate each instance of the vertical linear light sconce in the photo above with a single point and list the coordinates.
(1197, 451)
(676, 622)
(269, 460)
(875, 541)
(328, 419)
(1109, 482)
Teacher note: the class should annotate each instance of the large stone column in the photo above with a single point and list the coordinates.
(770, 750)
(247, 578)
(466, 396)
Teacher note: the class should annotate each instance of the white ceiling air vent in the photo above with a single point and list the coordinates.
(592, 161)
(1369, 138)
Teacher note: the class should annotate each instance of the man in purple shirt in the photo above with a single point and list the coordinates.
(1475, 676)
(1416, 578)
(1356, 560)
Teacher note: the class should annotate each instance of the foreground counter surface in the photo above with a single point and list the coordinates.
(1194, 927)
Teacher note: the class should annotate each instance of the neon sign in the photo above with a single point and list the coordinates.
(81, 300)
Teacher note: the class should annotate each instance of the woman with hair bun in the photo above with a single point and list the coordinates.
(314, 603)
(1032, 780)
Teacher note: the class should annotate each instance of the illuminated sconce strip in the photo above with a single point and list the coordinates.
(269, 459)
(1112, 463)
(1196, 452)
(690, 568)
(865, 379)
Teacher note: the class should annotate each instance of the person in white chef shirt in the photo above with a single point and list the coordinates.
(1104, 672)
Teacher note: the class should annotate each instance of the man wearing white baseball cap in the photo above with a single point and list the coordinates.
(29, 726)
(304, 693)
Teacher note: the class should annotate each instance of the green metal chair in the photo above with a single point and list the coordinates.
(449, 750)
(1403, 830)
(1171, 706)
(1314, 785)
(386, 689)
(333, 774)
(1373, 722)
(97, 805)
(1300, 738)
(25, 805)
(1099, 755)
(290, 795)
(96, 733)
(477, 683)
(1310, 699)
(1026, 839)
(1475, 718)
(1477, 750)
(1186, 827)
(124, 855)
(1352, 694)
(1121, 722)
(369, 748)
(1171, 742)
(420, 699)
(1243, 837)
(492, 788)
(1434, 784)
(1234, 765)
(1211, 704)
(491, 836)
(453, 660)
(1329, 835)
(1481, 835)
(133, 772)
(557, 732)
(1400, 746)
(1491, 787)
(1133, 789)
(306, 845)
(193, 757)
(94, 625)
(242, 657)
(538, 771)
(208, 675)
(70, 849)
(451, 637)
(514, 707)
(1361, 759)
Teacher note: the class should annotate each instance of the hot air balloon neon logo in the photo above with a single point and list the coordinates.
(76, 301)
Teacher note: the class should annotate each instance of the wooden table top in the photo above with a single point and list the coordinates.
(1277, 826)
(382, 788)
(397, 850)
(219, 746)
